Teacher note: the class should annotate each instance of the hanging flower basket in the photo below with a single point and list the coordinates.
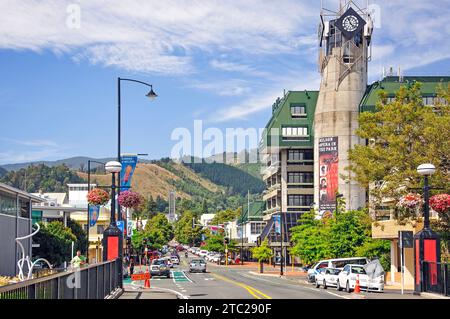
(130, 199)
(440, 203)
(97, 196)
(410, 201)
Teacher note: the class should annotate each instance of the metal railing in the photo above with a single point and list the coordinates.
(435, 278)
(90, 282)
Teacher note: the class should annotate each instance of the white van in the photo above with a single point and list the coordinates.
(338, 263)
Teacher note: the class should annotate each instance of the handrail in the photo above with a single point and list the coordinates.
(69, 271)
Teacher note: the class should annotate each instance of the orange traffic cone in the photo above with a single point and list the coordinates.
(357, 287)
(147, 280)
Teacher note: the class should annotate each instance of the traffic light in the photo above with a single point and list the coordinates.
(226, 240)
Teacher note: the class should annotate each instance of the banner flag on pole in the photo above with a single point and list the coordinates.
(128, 166)
(94, 212)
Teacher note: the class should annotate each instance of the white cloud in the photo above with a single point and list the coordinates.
(261, 102)
(232, 87)
(150, 36)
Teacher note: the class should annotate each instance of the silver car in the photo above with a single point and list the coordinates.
(197, 265)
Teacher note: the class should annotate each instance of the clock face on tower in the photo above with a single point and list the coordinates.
(350, 23)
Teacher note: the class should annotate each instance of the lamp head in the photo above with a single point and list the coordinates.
(113, 167)
(151, 95)
(426, 169)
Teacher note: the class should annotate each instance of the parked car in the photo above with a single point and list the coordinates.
(169, 261)
(160, 267)
(175, 260)
(327, 277)
(202, 253)
(197, 265)
(351, 272)
(334, 263)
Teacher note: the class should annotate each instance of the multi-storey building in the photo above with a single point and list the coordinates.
(306, 141)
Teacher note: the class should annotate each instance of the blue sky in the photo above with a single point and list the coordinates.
(222, 62)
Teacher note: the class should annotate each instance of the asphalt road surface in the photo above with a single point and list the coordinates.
(220, 282)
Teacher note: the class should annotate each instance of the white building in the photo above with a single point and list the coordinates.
(205, 219)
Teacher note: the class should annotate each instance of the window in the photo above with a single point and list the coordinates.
(256, 228)
(300, 200)
(8, 205)
(300, 177)
(298, 110)
(300, 155)
(428, 100)
(24, 209)
(295, 133)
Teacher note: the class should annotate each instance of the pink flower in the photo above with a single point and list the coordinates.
(97, 196)
(130, 199)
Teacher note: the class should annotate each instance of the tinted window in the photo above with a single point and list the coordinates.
(323, 265)
(158, 262)
(346, 268)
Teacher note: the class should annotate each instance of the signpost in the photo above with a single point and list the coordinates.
(137, 277)
(405, 240)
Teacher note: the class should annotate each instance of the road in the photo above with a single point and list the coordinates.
(238, 283)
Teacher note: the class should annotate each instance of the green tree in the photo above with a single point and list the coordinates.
(347, 231)
(402, 135)
(184, 232)
(161, 226)
(215, 242)
(226, 216)
(377, 248)
(55, 243)
(80, 234)
(262, 253)
(311, 239)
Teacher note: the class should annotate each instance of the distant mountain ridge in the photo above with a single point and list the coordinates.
(71, 162)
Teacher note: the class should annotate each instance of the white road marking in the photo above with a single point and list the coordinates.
(333, 294)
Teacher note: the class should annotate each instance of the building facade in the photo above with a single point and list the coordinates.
(15, 221)
(305, 144)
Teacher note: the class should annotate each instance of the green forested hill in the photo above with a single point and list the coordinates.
(3, 171)
(234, 178)
(41, 177)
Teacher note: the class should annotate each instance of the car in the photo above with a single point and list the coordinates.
(351, 272)
(327, 277)
(334, 263)
(215, 258)
(197, 265)
(160, 267)
(203, 253)
(209, 255)
(169, 261)
(175, 260)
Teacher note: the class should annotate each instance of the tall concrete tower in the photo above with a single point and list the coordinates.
(344, 37)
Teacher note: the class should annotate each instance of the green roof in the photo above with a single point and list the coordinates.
(391, 85)
(281, 116)
(256, 212)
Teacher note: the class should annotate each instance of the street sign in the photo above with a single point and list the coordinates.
(120, 224)
(405, 239)
(144, 276)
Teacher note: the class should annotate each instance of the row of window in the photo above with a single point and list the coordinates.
(300, 200)
(294, 131)
(427, 100)
(257, 228)
(300, 177)
(300, 155)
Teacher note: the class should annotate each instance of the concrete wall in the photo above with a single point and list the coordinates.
(336, 114)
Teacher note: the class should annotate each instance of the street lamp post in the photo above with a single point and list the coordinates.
(426, 242)
(151, 95)
(112, 236)
(88, 219)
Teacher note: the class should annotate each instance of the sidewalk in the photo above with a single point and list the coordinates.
(150, 293)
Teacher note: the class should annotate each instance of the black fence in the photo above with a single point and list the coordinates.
(435, 278)
(91, 282)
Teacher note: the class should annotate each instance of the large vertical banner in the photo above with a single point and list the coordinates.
(128, 166)
(277, 223)
(328, 174)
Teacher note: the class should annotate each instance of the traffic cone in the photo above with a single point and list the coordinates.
(357, 287)
(147, 281)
